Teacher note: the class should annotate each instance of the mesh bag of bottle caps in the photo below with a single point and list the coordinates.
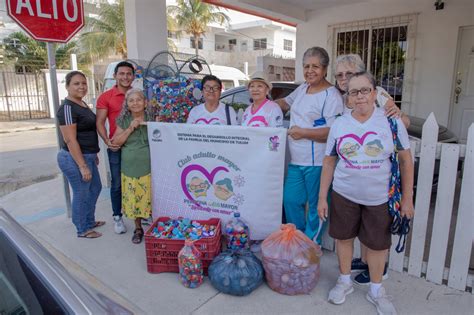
(291, 261)
(172, 98)
(236, 272)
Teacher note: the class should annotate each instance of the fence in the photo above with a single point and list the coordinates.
(439, 251)
(25, 95)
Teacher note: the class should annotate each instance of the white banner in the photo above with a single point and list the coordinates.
(205, 171)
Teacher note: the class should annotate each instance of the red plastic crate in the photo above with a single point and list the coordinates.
(162, 254)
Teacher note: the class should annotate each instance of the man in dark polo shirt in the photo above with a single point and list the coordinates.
(109, 105)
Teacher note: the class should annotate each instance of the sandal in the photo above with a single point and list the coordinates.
(90, 234)
(98, 223)
(137, 236)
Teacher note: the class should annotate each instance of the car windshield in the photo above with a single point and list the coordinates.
(22, 291)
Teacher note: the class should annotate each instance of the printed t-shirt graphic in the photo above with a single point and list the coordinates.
(200, 115)
(268, 114)
(364, 148)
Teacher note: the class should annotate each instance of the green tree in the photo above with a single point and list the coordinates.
(193, 16)
(23, 51)
(105, 34)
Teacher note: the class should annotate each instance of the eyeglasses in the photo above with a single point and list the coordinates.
(341, 75)
(363, 91)
(211, 88)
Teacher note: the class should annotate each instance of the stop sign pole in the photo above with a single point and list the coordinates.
(51, 21)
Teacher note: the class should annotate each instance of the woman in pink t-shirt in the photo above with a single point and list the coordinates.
(262, 112)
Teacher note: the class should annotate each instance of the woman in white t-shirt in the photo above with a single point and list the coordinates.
(346, 66)
(358, 152)
(212, 112)
(313, 106)
(262, 112)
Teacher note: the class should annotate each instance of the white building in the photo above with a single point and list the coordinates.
(240, 44)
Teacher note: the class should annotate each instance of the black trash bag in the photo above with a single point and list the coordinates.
(236, 272)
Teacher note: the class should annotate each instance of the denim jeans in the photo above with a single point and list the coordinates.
(116, 181)
(84, 194)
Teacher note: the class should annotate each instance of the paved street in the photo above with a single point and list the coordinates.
(27, 157)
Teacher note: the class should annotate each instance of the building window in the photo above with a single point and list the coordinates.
(384, 46)
(288, 44)
(232, 42)
(191, 41)
(259, 44)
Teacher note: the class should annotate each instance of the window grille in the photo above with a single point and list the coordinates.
(259, 44)
(386, 45)
(288, 45)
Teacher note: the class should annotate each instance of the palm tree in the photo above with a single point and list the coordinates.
(193, 16)
(105, 34)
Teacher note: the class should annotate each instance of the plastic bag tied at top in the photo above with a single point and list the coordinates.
(291, 261)
(236, 272)
(190, 265)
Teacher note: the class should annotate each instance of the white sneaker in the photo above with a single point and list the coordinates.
(119, 226)
(337, 295)
(382, 302)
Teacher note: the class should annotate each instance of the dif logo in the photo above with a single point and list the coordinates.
(156, 136)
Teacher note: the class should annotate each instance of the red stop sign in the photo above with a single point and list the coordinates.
(48, 20)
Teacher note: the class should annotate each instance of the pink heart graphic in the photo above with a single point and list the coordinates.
(194, 167)
(207, 122)
(356, 138)
(258, 119)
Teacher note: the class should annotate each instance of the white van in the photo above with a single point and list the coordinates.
(231, 77)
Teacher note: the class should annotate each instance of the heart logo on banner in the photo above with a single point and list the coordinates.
(209, 176)
(207, 122)
(360, 140)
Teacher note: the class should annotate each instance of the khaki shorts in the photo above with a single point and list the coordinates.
(371, 224)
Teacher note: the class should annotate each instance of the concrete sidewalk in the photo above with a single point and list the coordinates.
(116, 263)
(23, 125)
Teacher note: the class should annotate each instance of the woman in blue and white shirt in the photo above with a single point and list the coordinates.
(314, 106)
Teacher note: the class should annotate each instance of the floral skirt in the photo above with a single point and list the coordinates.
(136, 196)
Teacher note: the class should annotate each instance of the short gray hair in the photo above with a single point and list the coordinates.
(350, 59)
(125, 112)
(366, 75)
(318, 52)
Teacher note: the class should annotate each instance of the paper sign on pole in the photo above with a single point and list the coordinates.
(203, 171)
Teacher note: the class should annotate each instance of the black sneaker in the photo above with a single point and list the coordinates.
(363, 278)
(358, 265)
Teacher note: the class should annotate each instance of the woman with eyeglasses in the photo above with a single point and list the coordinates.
(358, 165)
(314, 106)
(212, 112)
(346, 66)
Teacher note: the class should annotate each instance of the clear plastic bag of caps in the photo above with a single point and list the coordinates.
(190, 265)
(237, 233)
(291, 261)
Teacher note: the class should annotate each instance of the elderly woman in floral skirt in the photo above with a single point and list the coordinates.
(132, 136)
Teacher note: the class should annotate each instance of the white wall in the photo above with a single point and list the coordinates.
(436, 41)
(280, 35)
(145, 22)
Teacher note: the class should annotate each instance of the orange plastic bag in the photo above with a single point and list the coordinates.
(291, 261)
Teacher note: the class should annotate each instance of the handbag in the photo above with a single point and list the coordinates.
(400, 225)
